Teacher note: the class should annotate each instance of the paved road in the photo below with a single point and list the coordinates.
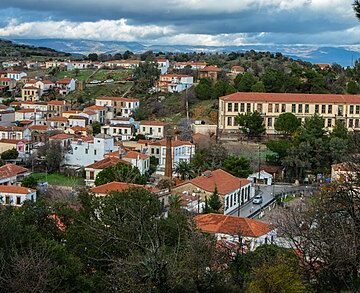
(267, 194)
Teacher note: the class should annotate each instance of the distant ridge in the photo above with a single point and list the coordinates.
(344, 55)
(13, 49)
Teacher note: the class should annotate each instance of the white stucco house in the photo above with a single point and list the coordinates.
(261, 177)
(17, 75)
(16, 195)
(233, 191)
(87, 150)
(235, 230)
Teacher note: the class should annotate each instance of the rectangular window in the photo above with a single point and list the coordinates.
(357, 111)
(283, 108)
(7, 199)
(248, 107)
(351, 110)
(86, 151)
(229, 121)
(323, 109)
(329, 109)
(351, 123)
(95, 152)
(242, 107)
(229, 107)
(259, 108)
(340, 110)
(91, 175)
(307, 108)
(300, 108)
(316, 108)
(293, 108)
(270, 108)
(277, 108)
(356, 123)
(269, 122)
(227, 203)
(159, 129)
(158, 151)
(329, 122)
(18, 200)
(236, 107)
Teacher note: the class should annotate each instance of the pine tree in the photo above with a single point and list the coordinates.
(214, 201)
(206, 209)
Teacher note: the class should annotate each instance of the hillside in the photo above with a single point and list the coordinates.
(10, 49)
(344, 55)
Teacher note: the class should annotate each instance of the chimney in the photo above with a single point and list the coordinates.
(168, 158)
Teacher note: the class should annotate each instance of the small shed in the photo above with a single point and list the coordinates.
(261, 177)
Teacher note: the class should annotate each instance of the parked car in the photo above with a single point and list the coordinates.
(257, 199)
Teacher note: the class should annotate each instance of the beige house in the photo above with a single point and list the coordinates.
(153, 129)
(331, 107)
(30, 93)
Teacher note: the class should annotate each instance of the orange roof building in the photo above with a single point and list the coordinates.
(11, 174)
(233, 191)
(271, 105)
(105, 189)
(251, 233)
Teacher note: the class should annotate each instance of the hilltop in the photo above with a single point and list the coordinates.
(13, 50)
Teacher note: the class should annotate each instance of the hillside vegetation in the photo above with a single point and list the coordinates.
(10, 49)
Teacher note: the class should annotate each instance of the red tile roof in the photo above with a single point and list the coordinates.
(210, 69)
(11, 170)
(14, 141)
(107, 162)
(65, 80)
(39, 127)
(56, 103)
(15, 189)
(119, 186)
(135, 155)
(61, 136)
(6, 79)
(58, 118)
(78, 128)
(288, 98)
(231, 225)
(224, 181)
(95, 108)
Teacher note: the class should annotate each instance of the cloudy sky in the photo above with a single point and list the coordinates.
(190, 22)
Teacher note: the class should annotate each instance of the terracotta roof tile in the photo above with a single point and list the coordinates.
(224, 181)
(217, 223)
(135, 155)
(107, 162)
(10, 170)
(119, 186)
(15, 189)
(288, 98)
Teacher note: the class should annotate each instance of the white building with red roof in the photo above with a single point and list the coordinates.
(153, 129)
(11, 174)
(119, 106)
(16, 195)
(180, 151)
(84, 151)
(17, 75)
(175, 83)
(235, 230)
(233, 191)
(331, 107)
(65, 85)
(92, 170)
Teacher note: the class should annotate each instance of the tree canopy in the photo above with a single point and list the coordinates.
(120, 172)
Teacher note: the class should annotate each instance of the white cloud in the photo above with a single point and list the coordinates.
(97, 30)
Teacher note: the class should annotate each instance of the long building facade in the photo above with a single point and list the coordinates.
(331, 107)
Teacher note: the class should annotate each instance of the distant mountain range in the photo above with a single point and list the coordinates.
(344, 55)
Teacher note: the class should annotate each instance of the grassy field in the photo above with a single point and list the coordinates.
(80, 75)
(59, 179)
(102, 74)
(92, 92)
